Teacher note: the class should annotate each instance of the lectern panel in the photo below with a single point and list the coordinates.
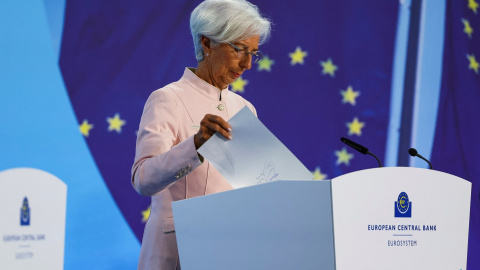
(279, 225)
(400, 218)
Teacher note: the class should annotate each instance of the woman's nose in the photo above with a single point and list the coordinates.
(246, 61)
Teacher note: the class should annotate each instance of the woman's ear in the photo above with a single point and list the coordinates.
(206, 44)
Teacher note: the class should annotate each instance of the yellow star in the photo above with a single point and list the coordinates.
(85, 128)
(473, 5)
(349, 95)
(473, 63)
(328, 67)
(265, 64)
(297, 56)
(145, 215)
(318, 175)
(355, 127)
(239, 85)
(468, 28)
(115, 123)
(343, 157)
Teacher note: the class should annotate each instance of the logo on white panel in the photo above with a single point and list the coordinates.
(25, 213)
(403, 206)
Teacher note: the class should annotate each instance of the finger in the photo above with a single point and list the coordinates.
(219, 129)
(219, 121)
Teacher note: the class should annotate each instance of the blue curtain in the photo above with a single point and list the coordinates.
(456, 146)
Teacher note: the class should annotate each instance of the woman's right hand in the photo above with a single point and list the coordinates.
(208, 126)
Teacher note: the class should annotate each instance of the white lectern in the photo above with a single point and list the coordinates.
(32, 219)
(385, 218)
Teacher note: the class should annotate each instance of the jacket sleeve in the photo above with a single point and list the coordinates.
(160, 157)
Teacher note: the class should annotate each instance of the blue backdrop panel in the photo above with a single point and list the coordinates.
(113, 55)
(330, 64)
(456, 144)
(329, 76)
(39, 130)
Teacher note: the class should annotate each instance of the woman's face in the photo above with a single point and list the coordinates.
(224, 63)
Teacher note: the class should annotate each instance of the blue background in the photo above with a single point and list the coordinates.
(40, 129)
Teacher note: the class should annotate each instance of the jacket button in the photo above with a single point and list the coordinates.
(221, 107)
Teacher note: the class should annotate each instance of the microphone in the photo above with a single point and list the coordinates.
(360, 148)
(414, 153)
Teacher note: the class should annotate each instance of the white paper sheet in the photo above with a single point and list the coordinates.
(253, 156)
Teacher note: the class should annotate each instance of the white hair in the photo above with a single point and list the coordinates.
(225, 21)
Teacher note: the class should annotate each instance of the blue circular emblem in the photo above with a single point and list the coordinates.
(403, 202)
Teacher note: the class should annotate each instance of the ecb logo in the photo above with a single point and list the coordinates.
(25, 213)
(403, 206)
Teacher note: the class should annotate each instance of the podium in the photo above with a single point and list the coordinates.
(384, 218)
(32, 224)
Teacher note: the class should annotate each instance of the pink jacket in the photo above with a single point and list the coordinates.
(167, 166)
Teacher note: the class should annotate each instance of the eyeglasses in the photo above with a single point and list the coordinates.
(256, 56)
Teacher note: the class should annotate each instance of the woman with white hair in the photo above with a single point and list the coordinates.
(182, 116)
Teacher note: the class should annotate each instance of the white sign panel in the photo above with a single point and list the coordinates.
(401, 218)
(32, 214)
